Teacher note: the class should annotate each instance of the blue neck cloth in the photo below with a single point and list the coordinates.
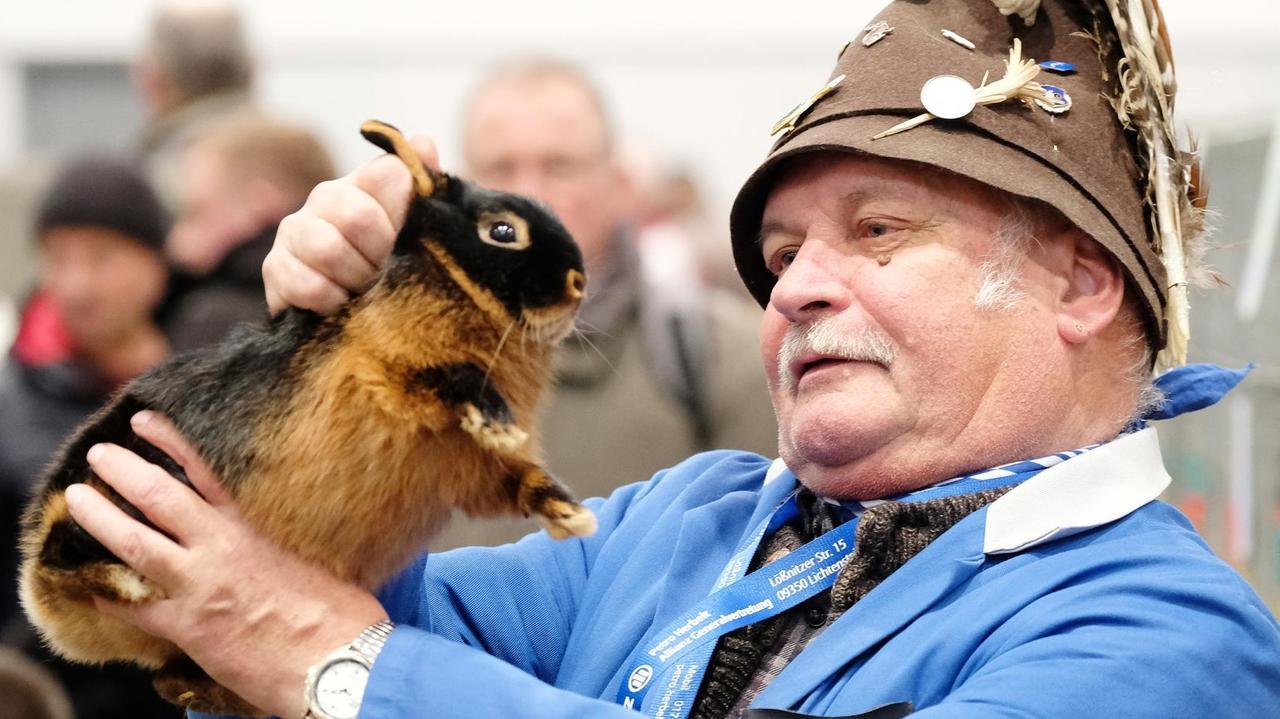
(1193, 387)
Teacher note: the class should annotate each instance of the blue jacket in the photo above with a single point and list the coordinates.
(1074, 594)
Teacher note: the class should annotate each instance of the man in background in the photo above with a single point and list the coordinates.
(651, 380)
(86, 330)
(194, 71)
(239, 180)
(675, 225)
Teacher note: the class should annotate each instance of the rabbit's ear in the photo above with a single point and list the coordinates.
(426, 182)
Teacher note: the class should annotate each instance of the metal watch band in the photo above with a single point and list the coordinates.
(372, 639)
(367, 646)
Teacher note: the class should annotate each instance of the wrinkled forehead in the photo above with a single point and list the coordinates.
(540, 115)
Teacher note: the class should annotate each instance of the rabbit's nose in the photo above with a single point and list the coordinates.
(575, 284)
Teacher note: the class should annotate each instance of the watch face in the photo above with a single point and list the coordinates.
(340, 687)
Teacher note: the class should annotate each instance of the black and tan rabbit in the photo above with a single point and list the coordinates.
(346, 439)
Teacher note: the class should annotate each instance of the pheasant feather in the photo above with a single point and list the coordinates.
(1145, 104)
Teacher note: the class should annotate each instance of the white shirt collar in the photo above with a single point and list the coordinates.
(1097, 487)
(1087, 491)
(776, 469)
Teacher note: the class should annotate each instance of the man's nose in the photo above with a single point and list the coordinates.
(811, 285)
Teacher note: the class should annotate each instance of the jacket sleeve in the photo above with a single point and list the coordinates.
(483, 629)
(423, 674)
(1145, 638)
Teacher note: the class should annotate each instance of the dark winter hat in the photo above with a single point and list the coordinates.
(104, 192)
(1067, 101)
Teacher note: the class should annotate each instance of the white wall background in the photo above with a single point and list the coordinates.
(702, 80)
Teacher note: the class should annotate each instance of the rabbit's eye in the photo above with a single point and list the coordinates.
(502, 233)
(504, 229)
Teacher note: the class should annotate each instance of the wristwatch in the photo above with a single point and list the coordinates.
(335, 686)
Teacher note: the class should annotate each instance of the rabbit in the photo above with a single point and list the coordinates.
(346, 439)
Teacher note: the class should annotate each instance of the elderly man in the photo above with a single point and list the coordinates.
(963, 521)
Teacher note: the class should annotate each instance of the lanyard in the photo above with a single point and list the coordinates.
(675, 658)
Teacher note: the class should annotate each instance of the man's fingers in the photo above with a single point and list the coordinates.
(290, 283)
(173, 506)
(149, 552)
(387, 180)
(154, 618)
(427, 151)
(335, 244)
(159, 431)
(362, 222)
(334, 250)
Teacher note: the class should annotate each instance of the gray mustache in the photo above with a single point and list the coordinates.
(823, 337)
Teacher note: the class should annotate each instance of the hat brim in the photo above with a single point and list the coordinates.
(960, 148)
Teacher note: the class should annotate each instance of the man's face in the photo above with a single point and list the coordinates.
(105, 285)
(891, 378)
(545, 139)
(216, 214)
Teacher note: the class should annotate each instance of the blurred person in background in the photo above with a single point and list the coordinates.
(194, 71)
(672, 219)
(652, 379)
(88, 329)
(239, 179)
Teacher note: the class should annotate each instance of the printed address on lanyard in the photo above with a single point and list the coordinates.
(802, 575)
(812, 577)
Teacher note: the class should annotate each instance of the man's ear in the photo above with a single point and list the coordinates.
(1093, 291)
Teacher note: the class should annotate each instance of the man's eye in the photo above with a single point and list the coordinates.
(560, 167)
(877, 229)
(782, 259)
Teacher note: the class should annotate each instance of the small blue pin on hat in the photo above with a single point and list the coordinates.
(1054, 100)
(1062, 68)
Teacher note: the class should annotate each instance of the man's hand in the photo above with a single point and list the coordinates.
(335, 244)
(254, 616)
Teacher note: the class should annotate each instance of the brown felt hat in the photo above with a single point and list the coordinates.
(1080, 160)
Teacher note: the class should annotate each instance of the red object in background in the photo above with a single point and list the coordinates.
(42, 337)
(1193, 505)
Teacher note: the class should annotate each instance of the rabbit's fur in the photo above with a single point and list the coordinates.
(345, 439)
